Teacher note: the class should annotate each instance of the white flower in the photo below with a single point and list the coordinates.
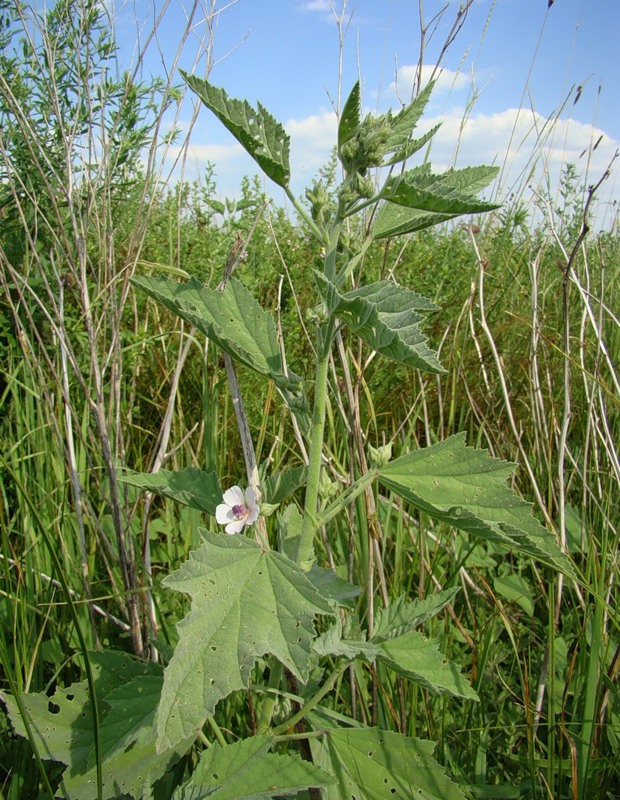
(238, 509)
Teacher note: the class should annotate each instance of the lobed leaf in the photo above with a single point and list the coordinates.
(332, 643)
(410, 147)
(191, 486)
(351, 117)
(402, 124)
(373, 764)
(236, 322)
(386, 317)
(245, 603)
(466, 488)
(262, 136)
(280, 486)
(402, 615)
(451, 192)
(393, 220)
(419, 659)
(128, 693)
(246, 770)
(419, 199)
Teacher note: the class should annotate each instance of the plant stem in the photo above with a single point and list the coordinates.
(313, 702)
(347, 497)
(324, 341)
(275, 678)
(304, 552)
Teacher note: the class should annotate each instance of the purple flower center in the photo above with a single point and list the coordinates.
(239, 511)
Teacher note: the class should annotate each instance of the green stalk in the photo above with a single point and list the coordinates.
(304, 552)
(313, 702)
(347, 497)
(275, 678)
(60, 573)
(592, 686)
(324, 342)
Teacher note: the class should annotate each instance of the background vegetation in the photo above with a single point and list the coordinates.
(94, 378)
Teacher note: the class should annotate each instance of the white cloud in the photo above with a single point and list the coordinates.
(322, 6)
(517, 140)
(312, 140)
(406, 78)
(530, 150)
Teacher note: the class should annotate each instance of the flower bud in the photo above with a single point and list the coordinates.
(380, 456)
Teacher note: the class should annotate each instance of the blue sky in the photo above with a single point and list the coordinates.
(507, 95)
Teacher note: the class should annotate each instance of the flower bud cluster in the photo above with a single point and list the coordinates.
(367, 147)
(320, 203)
(328, 488)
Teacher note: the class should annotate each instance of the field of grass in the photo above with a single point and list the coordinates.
(97, 380)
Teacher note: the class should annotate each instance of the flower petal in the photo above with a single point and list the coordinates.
(234, 496)
(235, 526)
(223, 513)
(252, 515)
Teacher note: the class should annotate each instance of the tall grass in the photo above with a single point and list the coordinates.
(94, 379)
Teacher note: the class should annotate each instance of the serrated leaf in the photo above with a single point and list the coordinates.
(466, 488)
(331, 586)
(245, 603)
(374, 765)
(448, 193)
(246, 770)
(351, 117)
(386, 317)
(279, 486)
(61, 725)
(131, 712)
(128, 693)
(392, 220)
(410, 147)
(419, 659)
(403, 123)
(236, 322)
(419, 199)
(262, 136)
(403, 615)
(332, 643)
(191, 487)
(131, 771)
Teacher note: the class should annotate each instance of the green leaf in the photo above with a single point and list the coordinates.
(393, 220)
(402, 125)
(410, 147)
(191, 487)
(452, 192)
(466, 488)
(517, 590)
(245, 603)
(374, 765)
(246, 770)
(262, 136)
(132, 712)
(231, 317)
(61, 725)
(386, 317)
(419, 199)
(128, 693)
(419, 659)
(331, 642)
(280, 486)
(401, 615)
(351, 117)
(331, 586)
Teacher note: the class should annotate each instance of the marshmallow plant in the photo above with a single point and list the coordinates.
(269, 620)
